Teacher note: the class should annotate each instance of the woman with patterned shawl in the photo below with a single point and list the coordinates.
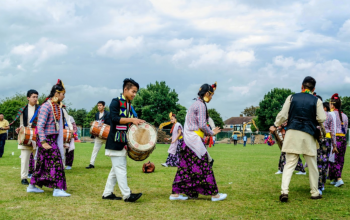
(336, 168)
(49, 170)
(176, 143)
(194, 174)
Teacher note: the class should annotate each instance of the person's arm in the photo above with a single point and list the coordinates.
(320, 114)
(284, 113)
(202, 120)
(7, 126)
(42, 119)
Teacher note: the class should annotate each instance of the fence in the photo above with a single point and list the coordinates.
(85, 136)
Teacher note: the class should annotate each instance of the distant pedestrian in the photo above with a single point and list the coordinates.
(252, 139)
(4, 126)
(234, 139)
(245, 140)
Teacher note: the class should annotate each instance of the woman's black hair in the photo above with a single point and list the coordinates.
(31, 92)
(58, 87)
(326, 105)
(335, 100)
(202, 91)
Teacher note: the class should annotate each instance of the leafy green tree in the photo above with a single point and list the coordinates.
(250, 111)
(79, 115)
(270, 106)
(90, 116)
(154, 103)
(216, 118)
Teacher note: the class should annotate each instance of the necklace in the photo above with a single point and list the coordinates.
(57, 114)
(307, 91)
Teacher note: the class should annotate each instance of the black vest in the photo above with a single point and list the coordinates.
(302, 114)
(25, 115)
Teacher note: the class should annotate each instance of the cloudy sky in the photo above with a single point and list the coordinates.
(247, 46)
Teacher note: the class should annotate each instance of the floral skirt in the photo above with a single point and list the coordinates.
(69, 157)
(283, 162)
(323, 160)
(49, 169)
(194, 176)
(336, 168)
(31, 164)
(173, 159)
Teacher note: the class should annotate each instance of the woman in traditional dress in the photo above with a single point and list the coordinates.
(194, 174)
(70, 150)
(336, 168)
(176, 143)
(325, 148)
(49, 169)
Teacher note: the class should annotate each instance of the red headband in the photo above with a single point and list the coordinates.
(335, 96)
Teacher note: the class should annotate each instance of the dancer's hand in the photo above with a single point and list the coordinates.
(137, 121)
(272, 129)
(216, 130)
(335, 150)
(47, 146)
(17, 130)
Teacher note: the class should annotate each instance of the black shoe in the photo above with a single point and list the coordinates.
(284, 197)
(90, 166)
(25, 182)
(212, 163)
(112, 197)
(133, 197)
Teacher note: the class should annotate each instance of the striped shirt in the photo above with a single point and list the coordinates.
(196, 118)
(345, 121)
(46, 122)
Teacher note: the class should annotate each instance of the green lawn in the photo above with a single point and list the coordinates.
(245, 174)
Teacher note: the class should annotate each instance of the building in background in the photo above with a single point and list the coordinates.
(236, 124)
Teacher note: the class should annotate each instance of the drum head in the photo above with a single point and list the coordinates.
(142, 137)
(21, 135)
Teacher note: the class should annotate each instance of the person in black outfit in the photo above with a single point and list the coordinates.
(102, 116)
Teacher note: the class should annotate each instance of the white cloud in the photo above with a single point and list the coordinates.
(344, 31)
(242, 90)
(122, 48)
(4, 63)
(40, 51)
(289, 62)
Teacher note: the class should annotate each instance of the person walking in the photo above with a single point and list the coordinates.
(4, 126)
(245, 140)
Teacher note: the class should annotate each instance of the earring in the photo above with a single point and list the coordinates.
(55, 99)
(37, 102)
(206, 99)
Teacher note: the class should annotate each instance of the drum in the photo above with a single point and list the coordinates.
(26, 136)
(141, 141)
(100, 130)
(67, 136)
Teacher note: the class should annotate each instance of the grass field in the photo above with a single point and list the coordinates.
(245, 174)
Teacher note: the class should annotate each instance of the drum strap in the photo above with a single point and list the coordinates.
(35, 115)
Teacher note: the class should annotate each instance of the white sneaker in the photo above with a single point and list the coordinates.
(164, 165)
(68, 167)
(60, 193)
(333, 182)
(33, 189)
(320, 191)
(278, 172)
(339, 183)
(180, 197)
(301, 173)
(222, 197)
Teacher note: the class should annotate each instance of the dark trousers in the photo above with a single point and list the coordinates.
(235, 142)
(245, 142)
(2, 143)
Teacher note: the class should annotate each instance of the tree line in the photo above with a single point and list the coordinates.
(153, 104)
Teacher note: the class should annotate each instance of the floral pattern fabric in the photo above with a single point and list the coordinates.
(31, 164)
(173, 159)
(69, 157)
(283, 162)
(323, 160)
(336, 168)
(194, 176)
(49, 169)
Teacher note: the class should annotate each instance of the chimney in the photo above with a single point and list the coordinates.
(241, 115)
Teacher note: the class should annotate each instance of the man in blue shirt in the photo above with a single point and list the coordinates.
(245, 140)
(234, 137)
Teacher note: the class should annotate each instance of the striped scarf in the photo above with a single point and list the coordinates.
(20, 112)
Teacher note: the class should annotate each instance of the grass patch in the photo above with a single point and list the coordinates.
(245, 174)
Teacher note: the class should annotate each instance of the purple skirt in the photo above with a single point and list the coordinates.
(336, 168)
(31, 164)
(69, 157)
(49, 169)
(194, 176)
(173, 159)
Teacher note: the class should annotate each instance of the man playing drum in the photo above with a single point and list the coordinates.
(26, 115)
(304, 113)
(102, 117)
(121, 117)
